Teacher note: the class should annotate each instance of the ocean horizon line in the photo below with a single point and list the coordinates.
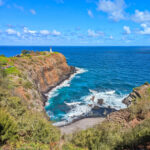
(75, 45)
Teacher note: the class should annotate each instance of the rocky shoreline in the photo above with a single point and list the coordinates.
(66, 77)
(122, 116)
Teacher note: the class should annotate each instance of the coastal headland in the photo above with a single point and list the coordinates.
(26, 78)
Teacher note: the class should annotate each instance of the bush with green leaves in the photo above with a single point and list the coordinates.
(25, 52)
(68, 146)
(8, 128)
(32, 127)
(135, 136)
(12, 70)
(3, 60)
(27, 85)
(38, 129)
(104, 136)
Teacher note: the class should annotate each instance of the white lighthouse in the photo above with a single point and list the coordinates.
(51, 50)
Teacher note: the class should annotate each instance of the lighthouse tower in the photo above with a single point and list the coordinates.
(51, 50)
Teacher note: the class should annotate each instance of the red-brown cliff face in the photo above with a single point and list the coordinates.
(44, 72)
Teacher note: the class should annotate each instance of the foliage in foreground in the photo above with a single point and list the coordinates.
(20, 127)
(113, 136)
(8, 128)
(110, 137)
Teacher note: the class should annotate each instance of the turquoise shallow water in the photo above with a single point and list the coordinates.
(109, 73)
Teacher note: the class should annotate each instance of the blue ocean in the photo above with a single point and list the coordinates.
(108, 73)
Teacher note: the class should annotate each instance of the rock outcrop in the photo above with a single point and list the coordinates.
(100, 101)
(139, 109)
(138, 93)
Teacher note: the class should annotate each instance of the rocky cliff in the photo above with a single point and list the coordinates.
(23, 80)
(137, 93)
(138, 103)
(44, 72)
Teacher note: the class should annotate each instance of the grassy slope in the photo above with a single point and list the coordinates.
(21, 127)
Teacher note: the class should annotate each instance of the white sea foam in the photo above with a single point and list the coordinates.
(75, 113)
(60, 123)
(65, 83)
(73, 103)
(110, 99)
(110, 92)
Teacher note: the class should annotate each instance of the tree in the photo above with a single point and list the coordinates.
(24, 52)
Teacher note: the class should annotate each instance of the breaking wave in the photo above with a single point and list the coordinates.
(66, 83)
(110, 97)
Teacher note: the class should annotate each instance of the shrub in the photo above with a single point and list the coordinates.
(135, 136)
(3, 60)
(24, 52)
(27, 85)
(12, 70)
(8, 128)
(2, 55)
(38, 129)
(31, 146)
(104, 136)
(69, 146)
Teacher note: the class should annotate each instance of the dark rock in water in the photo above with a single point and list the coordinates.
(100, 101)
(95, 107)
(109, 107)
(90, 105)
(100, 111)
(127, 100)
(93, 97)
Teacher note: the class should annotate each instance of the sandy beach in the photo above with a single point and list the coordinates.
(81, 125)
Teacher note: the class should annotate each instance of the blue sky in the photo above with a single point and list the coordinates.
(75, 22)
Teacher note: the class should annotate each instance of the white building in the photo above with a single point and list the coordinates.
(51, 50)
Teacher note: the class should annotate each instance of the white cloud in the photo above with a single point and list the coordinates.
(32, 11)
(26, 30)
(90, 13)
(12, 32)
(111, 37)
(146, 29)
(127, 30)
(141, 16)
(114, 9)
(93, 33)
(56, 33)
(19, 7)
(44, 32)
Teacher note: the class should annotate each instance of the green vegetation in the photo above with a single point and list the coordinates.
(135, 136)
(69, 146)
(27, 85)
(8, 128)
(12, 71)
(110, 136)
(25, 52)
(21, 127)
(3, 60)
